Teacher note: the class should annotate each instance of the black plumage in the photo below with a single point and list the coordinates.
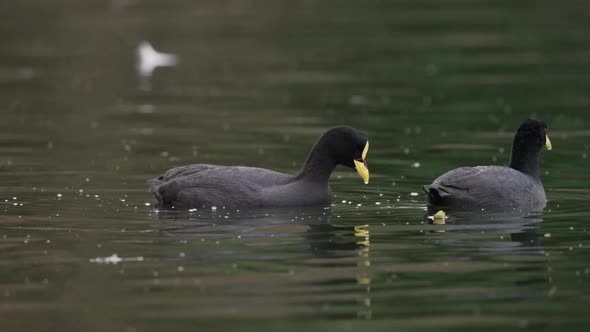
(202, 185)
(516, 187)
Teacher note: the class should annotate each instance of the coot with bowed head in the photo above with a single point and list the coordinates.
(517, 187)
(203, 185)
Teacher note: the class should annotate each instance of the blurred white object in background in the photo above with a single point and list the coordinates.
(148, 59)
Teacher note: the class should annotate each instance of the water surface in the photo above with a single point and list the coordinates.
(435, 86)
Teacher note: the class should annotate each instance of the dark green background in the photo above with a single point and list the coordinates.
(440, 83)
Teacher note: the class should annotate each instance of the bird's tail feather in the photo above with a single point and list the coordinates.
(435, 194)
(154, 185)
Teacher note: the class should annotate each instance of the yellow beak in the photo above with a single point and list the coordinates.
(361, 165)
(548, 143)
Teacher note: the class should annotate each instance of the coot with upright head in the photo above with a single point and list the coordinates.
(202, 185)
(514, 188)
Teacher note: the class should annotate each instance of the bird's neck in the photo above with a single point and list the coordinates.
(525, 161)
(318, 166)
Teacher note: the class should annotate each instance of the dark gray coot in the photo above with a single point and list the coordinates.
(202, 185)
(514, 188)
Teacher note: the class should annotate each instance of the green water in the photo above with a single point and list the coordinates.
(434, 84)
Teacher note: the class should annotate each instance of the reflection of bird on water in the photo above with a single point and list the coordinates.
(332, 244)
(364, 276)
(239, 221)
(514, 188)
(492, 230)
(472, 234)
(202, 185)
(329, 241)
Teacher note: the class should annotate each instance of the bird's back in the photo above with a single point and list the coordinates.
(211, 185)
(486, 187)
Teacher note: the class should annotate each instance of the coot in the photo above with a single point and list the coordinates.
(203, 185)
(517, 187)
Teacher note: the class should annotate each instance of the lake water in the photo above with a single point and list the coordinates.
(435, 85)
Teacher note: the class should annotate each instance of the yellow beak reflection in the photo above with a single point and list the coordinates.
(361, 165)
(548, 143)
